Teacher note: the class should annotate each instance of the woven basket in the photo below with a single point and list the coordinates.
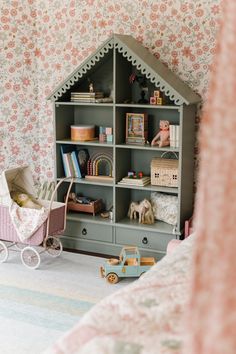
(164, 172)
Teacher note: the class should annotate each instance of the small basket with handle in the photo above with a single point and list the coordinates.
(164, 171)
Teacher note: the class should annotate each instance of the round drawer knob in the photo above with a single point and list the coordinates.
(145, 240)
(84, 232)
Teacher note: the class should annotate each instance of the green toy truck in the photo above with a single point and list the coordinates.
(129, 264)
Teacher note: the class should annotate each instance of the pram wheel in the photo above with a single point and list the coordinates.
(53, 246)
(30, 257)
(3, 252)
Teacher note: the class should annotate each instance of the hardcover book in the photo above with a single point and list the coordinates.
(70, 161)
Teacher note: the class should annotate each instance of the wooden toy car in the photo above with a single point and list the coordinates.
(129, 264)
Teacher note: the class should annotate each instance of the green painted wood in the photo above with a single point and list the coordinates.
(158, 226)
(89, 218)
(111, 71)
(147, 147)
(89, 231)
(84, 143)
(149, 187)
(104, 248)
(152, 240)
(187, 163)
(141, 59)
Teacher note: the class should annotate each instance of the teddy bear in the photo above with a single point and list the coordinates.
(162, 138)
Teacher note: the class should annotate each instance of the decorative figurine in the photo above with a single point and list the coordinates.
(91, 87)
(143, 209)
(163, 136)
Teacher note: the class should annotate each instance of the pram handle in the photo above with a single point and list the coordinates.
(52, 200)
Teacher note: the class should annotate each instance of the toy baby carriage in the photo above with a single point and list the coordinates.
(25, 227)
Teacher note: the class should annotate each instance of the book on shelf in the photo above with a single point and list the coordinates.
(70, 161)
(70, 165)
(145, 180)
(66, 165)
(75, 162)
(87, 94)
(174, 135)
(92, 100)
(89, 97)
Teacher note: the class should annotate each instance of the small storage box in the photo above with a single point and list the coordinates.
(93, 207)
(82, 132)
(164, 172)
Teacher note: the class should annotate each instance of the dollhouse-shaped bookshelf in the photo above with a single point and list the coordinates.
(111, 70)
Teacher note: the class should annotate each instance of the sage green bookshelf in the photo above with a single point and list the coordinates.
(109, 69)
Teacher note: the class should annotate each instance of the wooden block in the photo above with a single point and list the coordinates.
(153, 100)
(102, 130)
(102, 138)
(159, 101)
(157, 94)
(109, 138)
(108, 131)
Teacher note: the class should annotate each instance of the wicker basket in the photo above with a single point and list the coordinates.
(164, 172)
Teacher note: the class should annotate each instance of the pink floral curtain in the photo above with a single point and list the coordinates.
(212, 313)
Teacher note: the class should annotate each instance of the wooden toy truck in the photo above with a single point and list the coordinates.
(129, 264)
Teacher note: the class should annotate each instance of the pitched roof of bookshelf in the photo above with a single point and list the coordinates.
(154, 70)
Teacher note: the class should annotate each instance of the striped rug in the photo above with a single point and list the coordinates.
(38, 306)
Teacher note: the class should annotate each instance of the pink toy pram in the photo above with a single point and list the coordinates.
(20, 178)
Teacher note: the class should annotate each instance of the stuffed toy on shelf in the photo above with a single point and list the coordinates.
(162, 138)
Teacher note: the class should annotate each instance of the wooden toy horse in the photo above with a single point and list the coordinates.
(143, 209)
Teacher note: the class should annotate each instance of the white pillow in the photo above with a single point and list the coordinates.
(165, 207)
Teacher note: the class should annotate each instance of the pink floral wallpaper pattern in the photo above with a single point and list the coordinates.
(42, 42)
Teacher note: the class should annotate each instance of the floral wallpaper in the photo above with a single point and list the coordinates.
(42, 42)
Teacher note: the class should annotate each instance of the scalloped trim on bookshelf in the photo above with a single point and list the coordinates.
(82, 70)
(166, 81)
(150, 74)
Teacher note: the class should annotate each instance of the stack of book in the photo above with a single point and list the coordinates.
(88, 97)
(174, 135)
(70, 162)
(136, 181)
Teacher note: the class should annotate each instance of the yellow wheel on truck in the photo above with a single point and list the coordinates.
(112, 278)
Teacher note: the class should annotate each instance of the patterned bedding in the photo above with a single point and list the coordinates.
(144, 317)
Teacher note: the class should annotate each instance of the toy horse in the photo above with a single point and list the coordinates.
(143, 209)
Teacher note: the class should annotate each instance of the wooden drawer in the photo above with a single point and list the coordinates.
(88, 231)
(145, 239)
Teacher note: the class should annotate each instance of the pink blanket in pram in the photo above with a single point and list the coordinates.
(26, 221)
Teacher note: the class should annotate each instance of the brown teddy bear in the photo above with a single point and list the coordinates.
(163, 136)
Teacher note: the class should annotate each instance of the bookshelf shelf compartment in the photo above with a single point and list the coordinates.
(147, 147)
(109, 71)
(84, 143)
(151, 188)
